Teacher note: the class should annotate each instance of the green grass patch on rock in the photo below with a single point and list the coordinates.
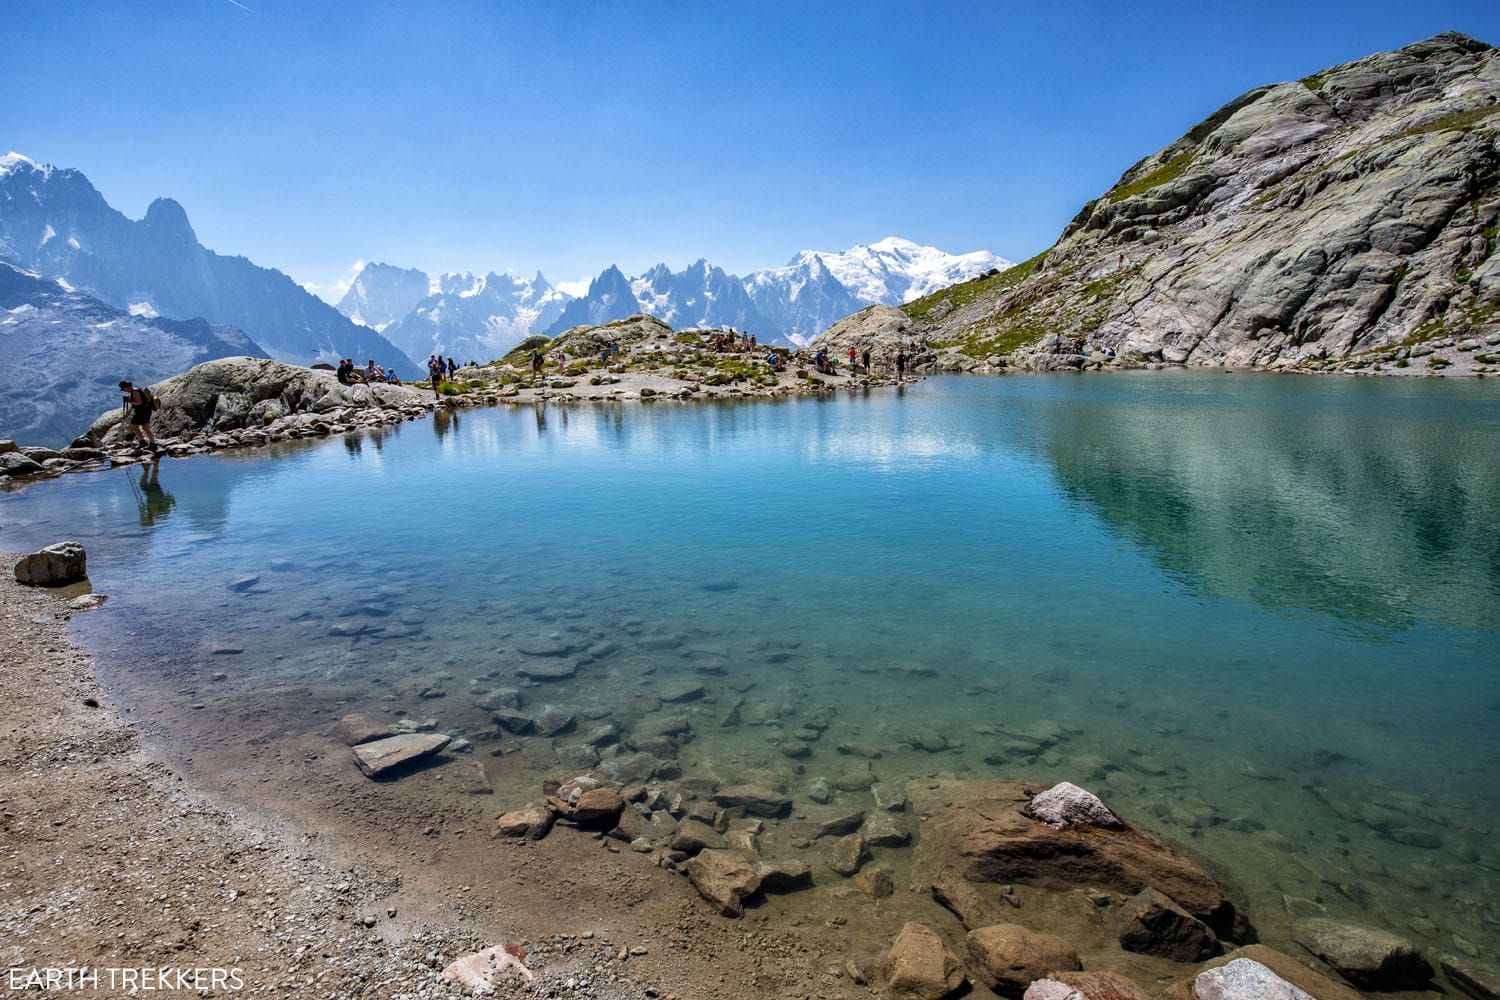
(1163, 174)
(1461, 121)
(965, 292)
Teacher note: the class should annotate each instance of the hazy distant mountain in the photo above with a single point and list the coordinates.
(62, 354)
(381, 294)
(794, 302)
(466, 317)
(54, 222)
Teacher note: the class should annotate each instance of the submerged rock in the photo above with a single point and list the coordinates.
(954, 892)
(384, 756)
(1152, 924)
(724, 878)
(1008, 957)
(1370, 959)
(356, 728)
(55, 566)
(920, 966)
(1482, 982)
(531, 822)
(847, 854)
(755, 801)
(876, 882)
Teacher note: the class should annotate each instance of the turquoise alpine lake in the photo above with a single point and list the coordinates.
(1257, 614)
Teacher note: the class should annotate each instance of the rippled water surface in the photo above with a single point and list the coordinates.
(1259, 614)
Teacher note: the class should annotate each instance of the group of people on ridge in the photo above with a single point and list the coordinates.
(348, 374)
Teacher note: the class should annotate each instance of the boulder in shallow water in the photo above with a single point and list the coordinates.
(1152, 924)
(1008, 958)
(383, 757)
(980, 828)
(755, 800)
(531, 822)
(959, 897)
(920, 966)
(1371, 959)
(1066, 805)
(598, 806)
(847, 854)
(55, 566)
(724, 878)
(1482, 982)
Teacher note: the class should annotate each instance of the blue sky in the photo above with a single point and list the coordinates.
(472, 136)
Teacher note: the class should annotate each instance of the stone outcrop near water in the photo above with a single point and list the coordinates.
(1345, 221)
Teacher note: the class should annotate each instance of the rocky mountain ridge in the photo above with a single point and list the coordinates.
(63, 353)
(1345, 221)
(481, 318)
(57, 224)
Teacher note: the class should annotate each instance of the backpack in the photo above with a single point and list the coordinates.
(149, 398)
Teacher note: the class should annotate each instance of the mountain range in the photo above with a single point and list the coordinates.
(458, 315)
(62, 354)
(471, 317)
(55, 223)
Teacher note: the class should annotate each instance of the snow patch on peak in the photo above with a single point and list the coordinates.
(13, 161)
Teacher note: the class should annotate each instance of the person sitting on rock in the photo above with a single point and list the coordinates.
(391, 378)
(373, 372)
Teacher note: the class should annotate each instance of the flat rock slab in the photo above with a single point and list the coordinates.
(980, 828)
(549, 670)
(356, 728)
(383, 756)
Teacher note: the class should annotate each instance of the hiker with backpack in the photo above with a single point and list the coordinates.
(140, 404)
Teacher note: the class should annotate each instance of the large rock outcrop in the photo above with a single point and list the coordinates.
(1348, 219)
(233, 394)
(983, 830)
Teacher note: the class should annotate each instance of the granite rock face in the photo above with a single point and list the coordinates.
(1326, 222)
(235, 393)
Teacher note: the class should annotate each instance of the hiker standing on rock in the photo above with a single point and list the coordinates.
(900, 365)
(140, 404)
(865, 359)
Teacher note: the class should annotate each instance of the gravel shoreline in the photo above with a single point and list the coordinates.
(112, 861)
